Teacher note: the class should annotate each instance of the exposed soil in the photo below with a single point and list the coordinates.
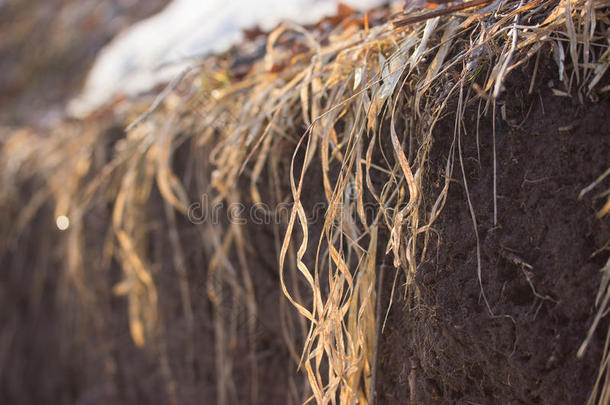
(448, 348)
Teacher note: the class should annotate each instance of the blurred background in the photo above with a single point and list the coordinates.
(47, 47)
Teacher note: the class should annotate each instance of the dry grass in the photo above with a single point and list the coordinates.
(332, 104)
(601, 389)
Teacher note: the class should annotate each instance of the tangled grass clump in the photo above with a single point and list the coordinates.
(327, 110)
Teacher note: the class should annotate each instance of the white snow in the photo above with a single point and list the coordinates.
(155, 50)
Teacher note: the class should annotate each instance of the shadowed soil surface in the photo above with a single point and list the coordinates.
(448, 348)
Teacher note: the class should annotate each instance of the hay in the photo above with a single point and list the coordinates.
(322, 100)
